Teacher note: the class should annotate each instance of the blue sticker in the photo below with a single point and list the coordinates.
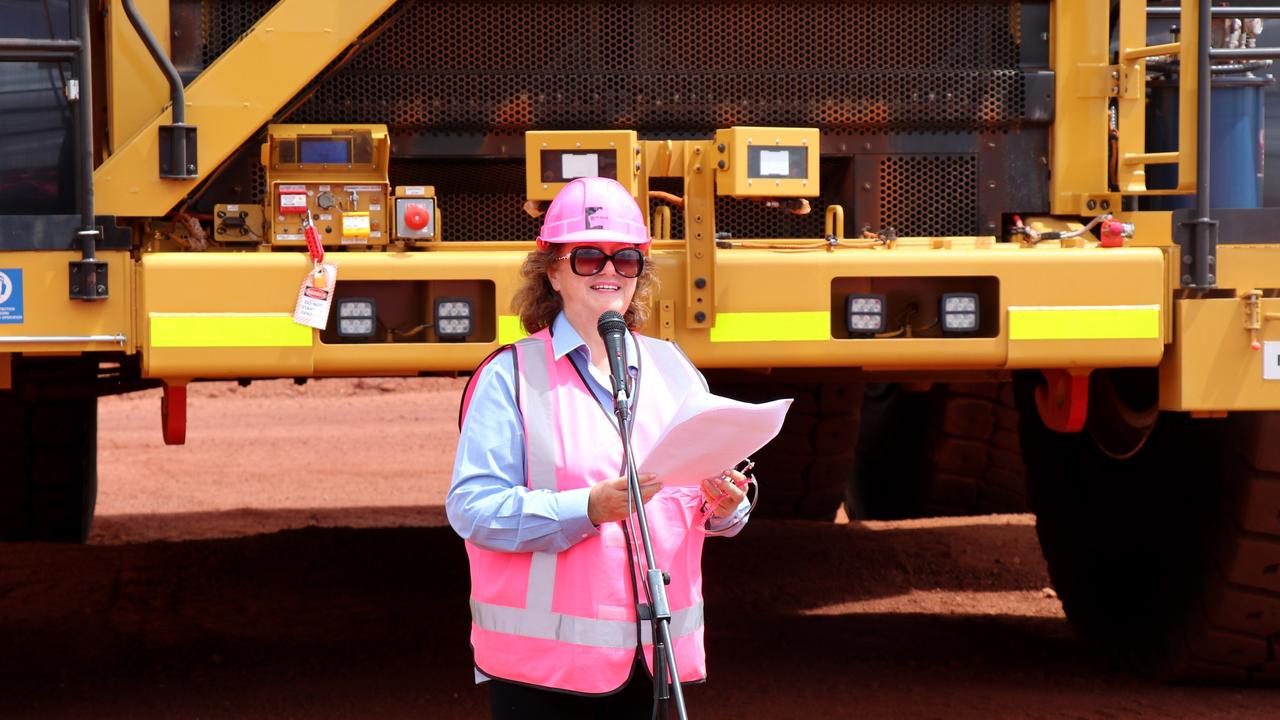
(10, 296)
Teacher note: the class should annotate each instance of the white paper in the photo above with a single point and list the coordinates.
(775, 163)
(1271, 361)
(710, 433)
(576, 165)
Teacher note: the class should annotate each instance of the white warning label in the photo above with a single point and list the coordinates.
(1271, 361)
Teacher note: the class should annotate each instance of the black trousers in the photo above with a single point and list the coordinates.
(509, 701)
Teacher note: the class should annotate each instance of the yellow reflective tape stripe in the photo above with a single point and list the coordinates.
(1085, 322)
(770, 326)
(213, 330)
(510, 329)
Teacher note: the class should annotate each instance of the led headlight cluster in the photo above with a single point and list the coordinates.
(958, 313)
(864, 314)
(453, 318)
(357, 317)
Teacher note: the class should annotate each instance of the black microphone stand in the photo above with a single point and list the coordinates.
(664, 653)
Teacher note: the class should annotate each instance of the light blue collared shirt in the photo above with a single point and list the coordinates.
(488, 503)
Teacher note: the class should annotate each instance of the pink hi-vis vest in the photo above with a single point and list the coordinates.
(568, 620)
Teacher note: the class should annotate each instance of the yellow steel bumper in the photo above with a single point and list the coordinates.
(227, 315)
(1057, 308)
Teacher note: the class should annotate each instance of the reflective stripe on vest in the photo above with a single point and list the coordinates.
(542, 460)
(578, 630)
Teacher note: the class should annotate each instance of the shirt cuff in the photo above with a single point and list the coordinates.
(574, 520)
(715, 524)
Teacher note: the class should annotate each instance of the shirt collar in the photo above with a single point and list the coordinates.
(565, 339)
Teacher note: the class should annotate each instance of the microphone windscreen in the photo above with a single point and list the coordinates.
(611, 321)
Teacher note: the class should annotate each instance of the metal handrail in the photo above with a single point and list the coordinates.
(118, 339)
(1219, 12)
(30, 49)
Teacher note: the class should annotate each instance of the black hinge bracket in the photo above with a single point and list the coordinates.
(87, 277)
(1199, 241)
(178, 159)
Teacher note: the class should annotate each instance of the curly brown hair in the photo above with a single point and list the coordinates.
(538, 303)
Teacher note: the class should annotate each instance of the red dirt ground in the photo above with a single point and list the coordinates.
(291, 561)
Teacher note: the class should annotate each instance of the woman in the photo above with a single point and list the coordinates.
(539, 493)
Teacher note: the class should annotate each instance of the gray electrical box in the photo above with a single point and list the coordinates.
(416, 213)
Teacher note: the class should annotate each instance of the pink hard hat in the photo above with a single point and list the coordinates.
(593, 209)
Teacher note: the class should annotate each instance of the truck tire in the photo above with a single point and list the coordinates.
(802, 471)
(1166, 556)
(951, 450)
(48, 449)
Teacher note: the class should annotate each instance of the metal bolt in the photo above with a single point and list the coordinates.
(1186, 279)
(1186, 259)
(722, 164)
(700, 283)
(700, 317)
(1106, 204)
(720, 147)
(991, 184)
(1092, 204)
(866, 187)
(866, 146)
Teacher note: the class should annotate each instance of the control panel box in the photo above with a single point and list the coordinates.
(766, 162)
(555, 157)
(336, 175)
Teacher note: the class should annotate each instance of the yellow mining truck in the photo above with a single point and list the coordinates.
(1006, 207)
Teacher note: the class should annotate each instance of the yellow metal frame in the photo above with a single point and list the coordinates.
(48, 313)
(1068, 304)
(230, 100)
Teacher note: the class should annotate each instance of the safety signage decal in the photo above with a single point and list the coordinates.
(10, 296)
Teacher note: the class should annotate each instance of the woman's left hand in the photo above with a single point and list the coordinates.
(724, 493)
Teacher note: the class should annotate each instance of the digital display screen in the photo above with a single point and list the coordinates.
(778, 162)
(318, 151)
(565, 165)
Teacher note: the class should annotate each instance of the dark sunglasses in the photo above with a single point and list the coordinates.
(587, 261)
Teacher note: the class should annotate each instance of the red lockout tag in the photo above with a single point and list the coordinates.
(314, 245)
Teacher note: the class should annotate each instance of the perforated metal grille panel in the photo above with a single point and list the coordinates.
(670, 68)
(513, 66)
(222, 24)
(923, 195)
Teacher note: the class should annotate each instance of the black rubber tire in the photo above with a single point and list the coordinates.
(1167, 559)
(48, 450)
(951, 450)
(803, 470)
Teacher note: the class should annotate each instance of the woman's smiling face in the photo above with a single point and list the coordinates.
(587, 297)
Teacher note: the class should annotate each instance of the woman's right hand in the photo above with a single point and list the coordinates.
(608, 499)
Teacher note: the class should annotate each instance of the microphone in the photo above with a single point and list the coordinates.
(613, 330)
